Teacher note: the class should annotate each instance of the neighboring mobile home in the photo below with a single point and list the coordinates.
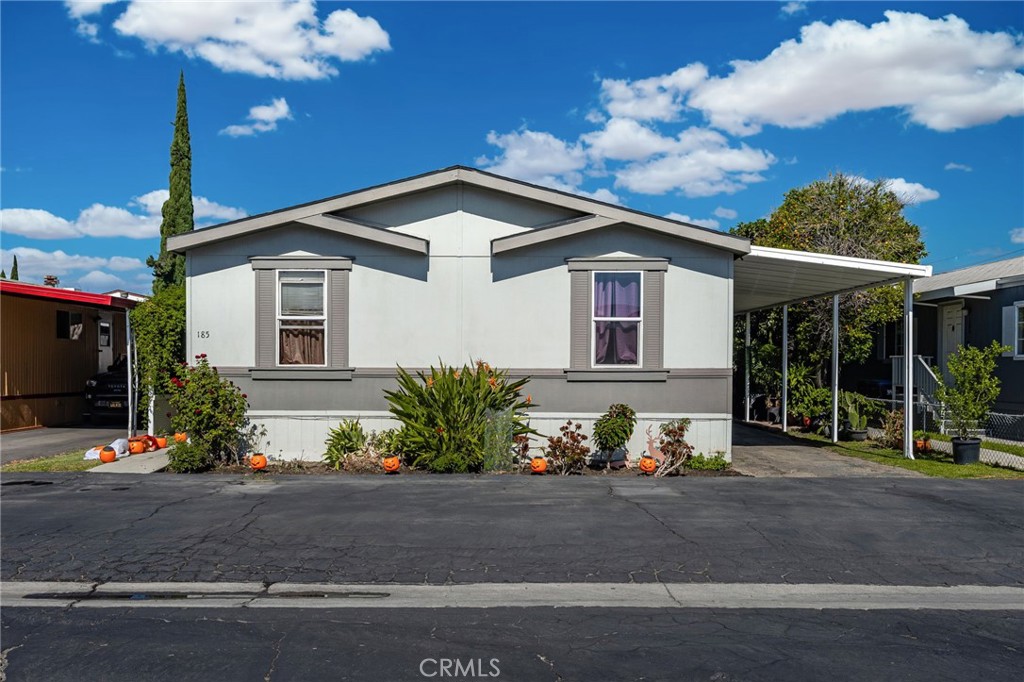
(53, 340)
(310, 308)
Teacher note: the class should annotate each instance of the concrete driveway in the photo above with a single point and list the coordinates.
(762, 453)
(49, 441)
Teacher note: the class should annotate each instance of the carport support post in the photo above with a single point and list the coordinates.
(835, 368)
(785, 367)
(746, 372)
(908, 368)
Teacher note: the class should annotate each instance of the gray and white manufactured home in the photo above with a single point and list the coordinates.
(310, 308)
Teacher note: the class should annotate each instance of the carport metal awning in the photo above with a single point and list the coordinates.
(769, 278)
(773, 278)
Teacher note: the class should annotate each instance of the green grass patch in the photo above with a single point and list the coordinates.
(937, 464)
(64, 462)
(1008, 448)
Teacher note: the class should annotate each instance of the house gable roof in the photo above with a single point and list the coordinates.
(596, 215)
(972, 280)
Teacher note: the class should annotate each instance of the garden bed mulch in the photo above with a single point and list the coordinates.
(319, 469)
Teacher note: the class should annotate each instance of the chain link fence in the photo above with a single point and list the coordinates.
(996, 430)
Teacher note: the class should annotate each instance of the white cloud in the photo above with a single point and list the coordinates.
(264, 118)
(659, 98)
(80, 9)
(596, 117)
(701, 222)
(793, 7)
(537, 157)
(97, 280)
(34, 264)
(100, 220)
(1017, 235)
(274, 38)
(726, 213)
(952, 165)
(911, 192)
(703, 164)
(938, 71)
(623, 139)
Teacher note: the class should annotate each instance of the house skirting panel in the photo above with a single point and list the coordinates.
(300, 434)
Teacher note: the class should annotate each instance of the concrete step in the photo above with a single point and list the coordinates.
(145, 463)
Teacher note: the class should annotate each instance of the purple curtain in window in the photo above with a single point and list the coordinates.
(616, 295)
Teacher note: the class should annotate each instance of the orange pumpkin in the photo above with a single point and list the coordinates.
(136, 447)
(538, 465)
(180, 437)
(258, 462)
(107, 454)
(648, 464)
(161, 441)
(391, 464)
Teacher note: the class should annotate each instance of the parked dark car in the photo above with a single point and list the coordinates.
(106, 394)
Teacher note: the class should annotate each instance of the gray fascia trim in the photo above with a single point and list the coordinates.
(693, 233)
(373, 234)
(592, 264)
(183, 242)
(218, 233)
(300, 263)
(630, 375)
(289, 374)
(545, 234)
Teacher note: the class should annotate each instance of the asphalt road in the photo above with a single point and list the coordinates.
(511, 529)
(431, 529)
(592, 645)
(33, 443)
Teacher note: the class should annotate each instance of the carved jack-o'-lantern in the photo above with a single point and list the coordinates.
(538, 465)
(180, 437)
(391, 464)
(258, 462)
(648, 464)
(108, 454)
(136, 447)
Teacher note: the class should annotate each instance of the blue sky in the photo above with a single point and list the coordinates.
(707, 112)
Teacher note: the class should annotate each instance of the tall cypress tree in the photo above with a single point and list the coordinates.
(169, 268)
(14, 269)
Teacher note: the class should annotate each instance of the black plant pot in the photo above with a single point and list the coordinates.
(857, 435)
(966, 450)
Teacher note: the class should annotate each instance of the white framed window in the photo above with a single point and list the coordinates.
(1018, 346)
(302, 318)
(616, 337)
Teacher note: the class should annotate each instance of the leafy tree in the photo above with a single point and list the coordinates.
(845, 216)
(3, 274)
(14, 269)
(158, 325)
(975, 386)
(169, 268)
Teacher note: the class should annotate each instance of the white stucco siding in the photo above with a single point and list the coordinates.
(698, 310)
(221, 310)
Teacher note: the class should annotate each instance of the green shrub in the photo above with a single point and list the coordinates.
(345, 438)
(445, 414)
(499, 447)
(188, 458)
(211, 410)
(975, 386)
(567, 452)
(387, 442)
(716, 462)
(892, 430)
(614, 428)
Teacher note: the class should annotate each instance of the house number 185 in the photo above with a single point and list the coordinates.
(203, 334)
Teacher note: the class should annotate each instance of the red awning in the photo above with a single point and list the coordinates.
(65, 295)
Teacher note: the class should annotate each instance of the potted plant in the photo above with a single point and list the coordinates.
(856, 407)
(922, 441)
(970, 396)
(612, 431)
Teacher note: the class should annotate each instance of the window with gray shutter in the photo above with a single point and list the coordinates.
(617, 314)
(301, 313)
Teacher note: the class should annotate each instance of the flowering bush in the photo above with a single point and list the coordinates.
(446, 415)
(212, 411)
(673, 446)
